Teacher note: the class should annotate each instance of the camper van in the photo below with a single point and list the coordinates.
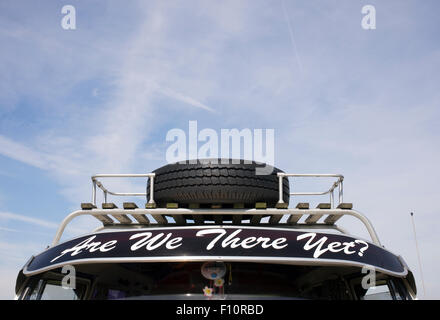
(217, 230)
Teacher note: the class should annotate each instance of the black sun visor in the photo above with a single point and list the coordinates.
(226, 243)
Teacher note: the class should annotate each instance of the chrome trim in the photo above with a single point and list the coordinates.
(273, 260)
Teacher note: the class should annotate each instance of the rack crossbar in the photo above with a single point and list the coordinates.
(160, 214)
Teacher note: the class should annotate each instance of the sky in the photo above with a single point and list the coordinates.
(101, 99)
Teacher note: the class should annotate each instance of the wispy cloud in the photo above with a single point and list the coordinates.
(184, 98)
(370, 115)
(8, 229)
(26, 219)
(76, 227)
(22, 153)
(112, 135)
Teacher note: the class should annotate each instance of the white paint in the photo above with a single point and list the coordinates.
(233, 241)
(151, 243)
(90, 246)
(321, 246)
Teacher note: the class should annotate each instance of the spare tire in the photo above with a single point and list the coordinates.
(211, 182)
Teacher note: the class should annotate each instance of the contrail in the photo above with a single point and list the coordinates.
(292, 38)
(184, 98)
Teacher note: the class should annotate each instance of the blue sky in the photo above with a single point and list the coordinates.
(101, 98)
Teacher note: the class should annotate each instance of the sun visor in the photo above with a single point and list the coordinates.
(219, 243)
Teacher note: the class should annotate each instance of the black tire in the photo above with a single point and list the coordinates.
(212, 182)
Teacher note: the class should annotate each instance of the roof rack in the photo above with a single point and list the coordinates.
(337, 184)
(97, 183)
(131, 215)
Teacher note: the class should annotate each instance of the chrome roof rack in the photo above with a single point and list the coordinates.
(281, 215)
(97, 183)
(337, 184)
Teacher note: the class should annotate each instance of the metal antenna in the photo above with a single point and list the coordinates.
(418, 254)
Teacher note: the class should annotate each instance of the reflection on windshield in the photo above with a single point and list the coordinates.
(246, 280)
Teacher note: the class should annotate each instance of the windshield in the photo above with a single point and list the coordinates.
(223, 281)
(220, 280)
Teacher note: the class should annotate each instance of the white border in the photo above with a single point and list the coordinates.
(274, 260)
